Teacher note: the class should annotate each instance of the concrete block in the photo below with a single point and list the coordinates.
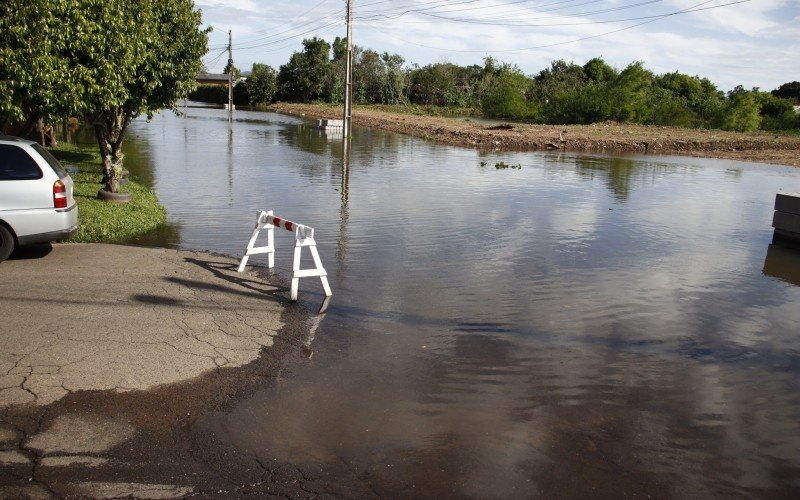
(330, 123)
(786, 222)
(788, 202)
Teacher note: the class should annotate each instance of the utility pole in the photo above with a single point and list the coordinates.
(348, 85)
(230, 76)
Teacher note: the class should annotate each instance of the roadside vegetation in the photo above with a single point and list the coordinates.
(563, 94)
(102, 62)
(100, 221)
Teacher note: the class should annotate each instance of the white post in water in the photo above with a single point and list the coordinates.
(304, 237)
(230, 76)
(348, 74)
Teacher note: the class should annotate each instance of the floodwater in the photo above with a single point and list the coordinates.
(582, 326)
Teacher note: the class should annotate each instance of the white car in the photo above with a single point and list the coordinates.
(36, 202)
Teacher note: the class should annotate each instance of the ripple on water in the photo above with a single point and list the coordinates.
(498, 333)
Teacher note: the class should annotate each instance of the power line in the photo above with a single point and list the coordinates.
(290, 27)
(388, 14)
(293, 28)
(651, 19)
(338, 22)
(539, 8)
(601, 11)
(215, 58)
(489, 22)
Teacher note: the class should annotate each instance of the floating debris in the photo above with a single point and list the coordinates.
(502, 165)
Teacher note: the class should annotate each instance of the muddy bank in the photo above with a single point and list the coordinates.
(607, 137)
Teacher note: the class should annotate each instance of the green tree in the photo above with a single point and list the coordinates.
(591, 102)
(700, 95)
(790, 90)
(505, 93)
(339, 49)
(236, 72)
(61, 57)
(598, 70)
(743, 112)
(307, 77)
(630, 94)
(394, 91)
(667, 108)
(777, 113)
(444, 84)
(560, 77)
(336, 70)
(105, 61)
(172, 44)
(262, 84)
(369, 78)
(429, 84)
(289, 84)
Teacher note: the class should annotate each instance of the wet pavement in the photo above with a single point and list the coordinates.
(111, 352)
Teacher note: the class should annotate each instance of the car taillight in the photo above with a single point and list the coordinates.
(59, 195)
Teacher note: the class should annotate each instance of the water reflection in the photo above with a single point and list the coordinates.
(344, 216)
(500, 333)
(783, 262)
(621, 174)
(306, 137)
(138, 161)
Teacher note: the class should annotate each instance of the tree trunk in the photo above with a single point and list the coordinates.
(21, 129)
(109, 128)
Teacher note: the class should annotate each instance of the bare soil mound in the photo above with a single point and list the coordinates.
(606, 137)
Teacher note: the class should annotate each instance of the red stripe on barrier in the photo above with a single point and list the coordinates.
(282, 223)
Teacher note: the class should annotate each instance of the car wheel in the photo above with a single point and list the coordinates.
(6, 243)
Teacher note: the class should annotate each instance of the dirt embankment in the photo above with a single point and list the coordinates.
(609, 137)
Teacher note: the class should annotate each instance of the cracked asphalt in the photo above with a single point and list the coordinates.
(107, 317)
(109, 356)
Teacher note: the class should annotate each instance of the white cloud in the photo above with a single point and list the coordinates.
(750, 18)
(246, 5)
(750, 43)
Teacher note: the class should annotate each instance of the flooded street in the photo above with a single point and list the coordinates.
(580, 326)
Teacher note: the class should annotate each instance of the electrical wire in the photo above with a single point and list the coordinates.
(696, 8)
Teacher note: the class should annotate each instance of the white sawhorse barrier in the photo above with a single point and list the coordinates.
(304, 237)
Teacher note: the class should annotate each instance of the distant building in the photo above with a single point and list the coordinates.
(797, 110)
(212, 79)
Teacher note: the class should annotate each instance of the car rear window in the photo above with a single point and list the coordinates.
(51, 160)
(17, 165)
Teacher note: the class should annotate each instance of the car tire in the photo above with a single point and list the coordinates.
(7, 243)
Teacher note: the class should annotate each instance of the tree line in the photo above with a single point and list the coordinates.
(563, 93)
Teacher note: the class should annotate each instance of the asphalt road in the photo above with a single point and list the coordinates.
(110, 354)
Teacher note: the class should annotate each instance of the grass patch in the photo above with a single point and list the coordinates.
(426, 110)
(100, 221)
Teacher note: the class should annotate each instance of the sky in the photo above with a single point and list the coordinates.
(754, 43)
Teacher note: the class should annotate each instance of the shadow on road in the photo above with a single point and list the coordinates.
(224, 270)
(31, 252)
